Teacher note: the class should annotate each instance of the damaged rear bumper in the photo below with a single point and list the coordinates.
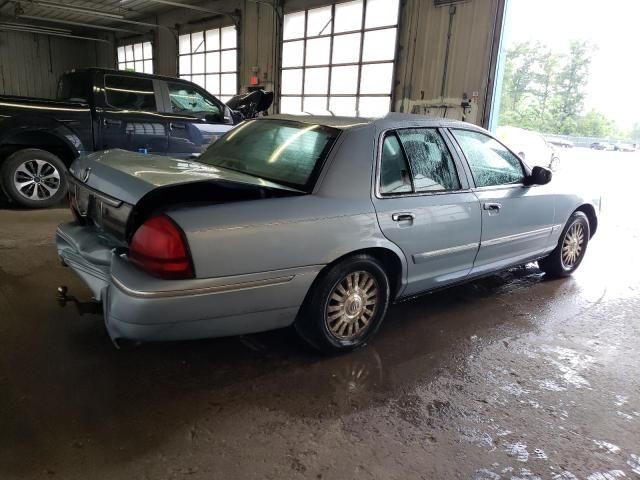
(139, 307)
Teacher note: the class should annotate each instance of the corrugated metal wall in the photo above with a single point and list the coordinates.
(30, 64)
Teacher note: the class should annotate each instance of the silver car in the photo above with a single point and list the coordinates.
(316, 222)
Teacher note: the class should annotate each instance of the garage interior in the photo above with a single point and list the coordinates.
(512, 376)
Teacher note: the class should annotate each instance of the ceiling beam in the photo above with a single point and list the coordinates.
(78, 24)
(51, 33)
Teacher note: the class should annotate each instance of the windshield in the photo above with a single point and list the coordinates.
(282, 151)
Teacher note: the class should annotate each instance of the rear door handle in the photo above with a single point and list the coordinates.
(492, 206)
(111, 121)
(403, 217)
(177, 126)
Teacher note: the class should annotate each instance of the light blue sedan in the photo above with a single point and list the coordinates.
(315, 222)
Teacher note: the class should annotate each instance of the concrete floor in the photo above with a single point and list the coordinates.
(512, 377)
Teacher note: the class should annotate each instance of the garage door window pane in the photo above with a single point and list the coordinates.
(373, 106)
(343, 106)
(213, 84)
(294, 25)
(197, 63)
(348, 16)
(184, 44)
(292, 82)
(213, 62)
(346, 48)
(318, 51)
(381, 13)
(213, 39)
(319, 22)
(316, 80)
(129, 52)
(199, 80)
(228, 37)
(344, 79)
(137, 51)
(228, 61)
(291, 104)
(379, 45)
(376, 78)
(315, 105)
(228, 84)
(136, 57)
(292, 54)
(197, 42)
(185, 65)
(121, 57)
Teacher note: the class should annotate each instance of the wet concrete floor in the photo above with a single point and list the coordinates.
(511, 377)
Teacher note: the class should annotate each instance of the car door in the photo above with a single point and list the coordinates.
(424, 206)
(195, 119)
(517, 220)
(130, 118)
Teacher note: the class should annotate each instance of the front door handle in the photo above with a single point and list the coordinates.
(403, 217)
(492, 206)
(112, 121)
(177, 126)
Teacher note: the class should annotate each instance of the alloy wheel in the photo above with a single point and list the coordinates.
(36, 180)
(572, 246)
(351, 306)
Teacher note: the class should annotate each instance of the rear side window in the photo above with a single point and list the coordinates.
(431, 163)
(394, 170)
(490, 162)
(74, 87)
(186, 99)
(130, 93)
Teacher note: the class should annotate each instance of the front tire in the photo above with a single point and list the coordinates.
(346, 305)
(572, 246)
(34, 178)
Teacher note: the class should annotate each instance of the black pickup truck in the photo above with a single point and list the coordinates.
(98, 109)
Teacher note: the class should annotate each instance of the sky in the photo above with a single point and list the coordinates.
(612, 25)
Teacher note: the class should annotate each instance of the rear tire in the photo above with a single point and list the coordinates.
(346, 305)
(571, 248)
(34, 178)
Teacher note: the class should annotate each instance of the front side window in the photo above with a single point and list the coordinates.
(281, 151)
(431, 163)
(186, 99)
(136, 57)
(129, 93)
(490, 162)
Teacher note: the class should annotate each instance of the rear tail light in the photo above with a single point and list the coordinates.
(160, 248)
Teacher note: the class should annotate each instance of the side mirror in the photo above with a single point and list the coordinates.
(539, 176)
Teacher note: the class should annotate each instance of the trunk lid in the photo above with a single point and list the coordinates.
(115, 190)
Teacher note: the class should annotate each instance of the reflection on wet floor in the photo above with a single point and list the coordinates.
(513, 376)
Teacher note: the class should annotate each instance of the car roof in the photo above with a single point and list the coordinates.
(389, 120)
(126, 73)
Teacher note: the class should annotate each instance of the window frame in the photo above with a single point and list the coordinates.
(127, 74)
(330, 65)
(465, 185)
(143, 59)
(472, 181)
(204, 52)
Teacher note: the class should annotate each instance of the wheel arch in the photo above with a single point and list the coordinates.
(590, 211)
(67, 148)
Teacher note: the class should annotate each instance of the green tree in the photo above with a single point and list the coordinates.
(571, 81)
(595, 124)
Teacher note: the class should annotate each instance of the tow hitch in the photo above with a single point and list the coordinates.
(91, 307)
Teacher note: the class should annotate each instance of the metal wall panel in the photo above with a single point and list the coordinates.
(30, 64)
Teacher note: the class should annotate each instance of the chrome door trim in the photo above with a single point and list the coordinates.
(518, 236)
(213, 289)
(423, 257)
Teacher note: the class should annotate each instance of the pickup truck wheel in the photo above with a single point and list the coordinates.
(34, 178)
(345, 306)
(572, 246)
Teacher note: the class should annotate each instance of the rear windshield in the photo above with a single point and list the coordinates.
(281, 151)
(74, 87)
